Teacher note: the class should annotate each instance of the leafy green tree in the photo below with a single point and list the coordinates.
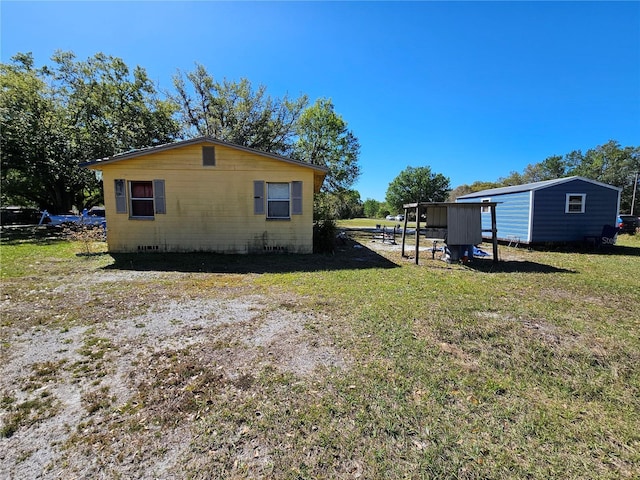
(323, 138)
(371, 207)
(239, 113)
(476, 186)
(514, 178)
(236, 112)
(33, 139)
(338, 205)
(350, 204)
(549, 169)
(383, 211)
(58, 116)
(111, 109)
(480, 185)
(38, 167)
(458, 192)
(417, 185)
(573, 160)
(611, 164)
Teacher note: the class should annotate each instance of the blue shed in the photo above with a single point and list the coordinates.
(561, 210)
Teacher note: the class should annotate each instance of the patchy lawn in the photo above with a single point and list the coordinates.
(354, 365)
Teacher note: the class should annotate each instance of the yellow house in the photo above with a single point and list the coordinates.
(203, 194)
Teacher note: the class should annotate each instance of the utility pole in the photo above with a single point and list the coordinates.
(633, 198)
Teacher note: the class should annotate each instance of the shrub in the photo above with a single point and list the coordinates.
(324, 236)
(87, 235)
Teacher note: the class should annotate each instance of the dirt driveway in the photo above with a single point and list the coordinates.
(101, 381)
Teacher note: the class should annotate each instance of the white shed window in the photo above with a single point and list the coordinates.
(486, 209)
(278, 200)
(575, 203)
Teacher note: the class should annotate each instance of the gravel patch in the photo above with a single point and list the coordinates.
(90, 378)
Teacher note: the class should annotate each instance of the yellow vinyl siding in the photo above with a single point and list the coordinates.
(208, 208)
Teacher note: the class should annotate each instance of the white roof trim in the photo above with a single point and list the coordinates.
(527, 187)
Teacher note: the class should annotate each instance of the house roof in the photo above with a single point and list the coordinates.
(525, 187)
(194, 141)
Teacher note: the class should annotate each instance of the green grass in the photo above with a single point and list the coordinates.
(464, 373)
(24, 253)
(525, 369)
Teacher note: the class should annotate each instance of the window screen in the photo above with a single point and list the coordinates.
(575, 203)
(278, 200)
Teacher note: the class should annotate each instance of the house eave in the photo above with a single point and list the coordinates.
(98, 163)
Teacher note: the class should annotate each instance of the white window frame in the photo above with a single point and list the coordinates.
(571, 202)
(486, 209)
(271, 199)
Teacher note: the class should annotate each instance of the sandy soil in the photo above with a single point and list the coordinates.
(72, 372)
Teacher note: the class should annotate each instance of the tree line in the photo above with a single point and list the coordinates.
(55, 117)
(609, 163)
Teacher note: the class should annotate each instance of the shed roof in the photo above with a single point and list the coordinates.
(451, 204)
(525, 187)
(194, 141)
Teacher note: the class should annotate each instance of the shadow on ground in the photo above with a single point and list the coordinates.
(587, 249)
(349, 256)
(622, 250)
(513, 266)
(16, 235)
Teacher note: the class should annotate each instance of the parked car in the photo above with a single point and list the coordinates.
(399, 218)
(95, 216)
(97, 212)
(628, 223)
(390, 217)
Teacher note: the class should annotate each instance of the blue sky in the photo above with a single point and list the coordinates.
(472, 90)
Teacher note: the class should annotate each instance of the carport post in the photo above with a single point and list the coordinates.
(494, 233)
(404, 230)
(417, 231)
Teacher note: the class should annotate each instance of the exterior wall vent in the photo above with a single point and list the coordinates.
(275, 248)
(148, 248)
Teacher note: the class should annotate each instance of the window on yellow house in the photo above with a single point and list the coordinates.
(282, 199)
(141, 199)
(278, 200)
